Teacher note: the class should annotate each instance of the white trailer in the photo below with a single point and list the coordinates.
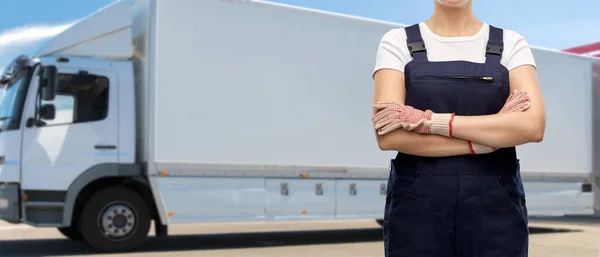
(214, 111)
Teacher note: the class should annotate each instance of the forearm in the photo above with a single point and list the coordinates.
(514, 125)
(422, 145)
(509, 128)
(499, 130)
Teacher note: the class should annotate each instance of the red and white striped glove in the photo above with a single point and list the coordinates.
(518, 101)
(392, 115)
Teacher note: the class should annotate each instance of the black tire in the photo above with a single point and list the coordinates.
(71, 233)
(124, 204)
(380, 222)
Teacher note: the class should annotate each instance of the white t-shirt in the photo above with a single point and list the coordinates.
(393, 52)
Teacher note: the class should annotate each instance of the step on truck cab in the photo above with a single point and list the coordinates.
(179, 111)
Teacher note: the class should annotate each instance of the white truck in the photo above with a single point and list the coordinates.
(179, 111)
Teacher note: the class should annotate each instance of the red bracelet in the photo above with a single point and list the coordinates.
(471, 147)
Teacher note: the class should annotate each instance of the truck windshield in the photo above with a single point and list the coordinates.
(12, 99)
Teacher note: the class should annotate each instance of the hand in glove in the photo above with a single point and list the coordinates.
(518, 101)
(392, 115)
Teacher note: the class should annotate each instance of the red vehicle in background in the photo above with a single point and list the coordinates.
(592, 49)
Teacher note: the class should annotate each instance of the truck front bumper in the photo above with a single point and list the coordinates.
(9, 203)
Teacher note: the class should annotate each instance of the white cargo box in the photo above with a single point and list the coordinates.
(246, 82)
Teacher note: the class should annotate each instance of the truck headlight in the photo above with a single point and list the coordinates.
(3, 203)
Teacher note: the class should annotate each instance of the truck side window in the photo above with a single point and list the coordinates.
(80, 98)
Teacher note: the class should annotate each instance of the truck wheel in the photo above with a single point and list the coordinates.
(71, 233)
(115, 219)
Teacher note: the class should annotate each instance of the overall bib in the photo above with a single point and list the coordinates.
(459, 206)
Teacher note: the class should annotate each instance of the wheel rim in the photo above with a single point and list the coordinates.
(118, 221)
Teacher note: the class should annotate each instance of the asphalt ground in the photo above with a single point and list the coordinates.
(550, 237)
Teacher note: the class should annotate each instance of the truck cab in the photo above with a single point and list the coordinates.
(67, 132)
(60, 118)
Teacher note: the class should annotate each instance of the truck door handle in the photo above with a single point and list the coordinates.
(106, 147)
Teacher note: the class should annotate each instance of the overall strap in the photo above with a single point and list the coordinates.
(415, 43)
(495, 45)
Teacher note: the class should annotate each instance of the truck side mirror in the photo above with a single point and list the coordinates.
(5, 79)
(47, 112)
(48, 82)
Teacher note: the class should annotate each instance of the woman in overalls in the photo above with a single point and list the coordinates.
(454, 96)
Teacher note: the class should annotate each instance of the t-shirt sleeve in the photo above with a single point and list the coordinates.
(392, 52)
(517, 51)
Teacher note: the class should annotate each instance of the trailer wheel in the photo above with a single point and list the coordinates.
(115, 219)
(71, 233)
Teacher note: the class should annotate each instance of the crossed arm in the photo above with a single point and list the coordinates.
(496, 130)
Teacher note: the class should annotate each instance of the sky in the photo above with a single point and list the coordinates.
(25, 24)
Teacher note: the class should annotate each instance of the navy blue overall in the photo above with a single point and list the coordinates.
(459, 206)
